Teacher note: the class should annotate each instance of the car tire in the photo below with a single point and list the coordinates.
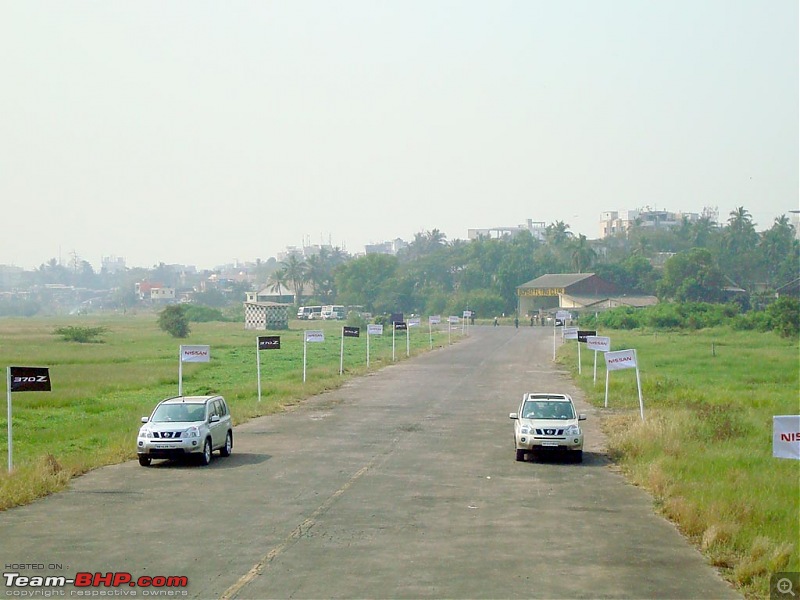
(205, 457)
(144, 460)
(520, 455)
(228, 447)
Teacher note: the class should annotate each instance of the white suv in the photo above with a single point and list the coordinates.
(185, 426)
(547, 421)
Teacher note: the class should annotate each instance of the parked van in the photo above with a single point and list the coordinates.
(309, 312)
(334, 312)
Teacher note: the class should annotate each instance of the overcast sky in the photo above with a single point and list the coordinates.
(202, 132)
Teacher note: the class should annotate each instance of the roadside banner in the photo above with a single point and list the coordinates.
(372, 329)
(570, 333)
(191, 354)
(786, 436)
(597, 343)
(23, 379)
(312, 336)
(624, 359)
(265, 342)
(346, 332)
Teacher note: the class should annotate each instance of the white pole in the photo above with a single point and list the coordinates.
(392, 341)
(639, 386)
(258, 368)
(304, 356)
(8, 404)
(606, 402)
(368, 346)
(449, 334)
(408, 340)
(430, 333)
(554, 340)
(579, 357)
(180, 371)
(594, 379)
(341, 355)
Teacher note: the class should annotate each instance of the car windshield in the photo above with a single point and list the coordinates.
(547, 409)
(183, 412)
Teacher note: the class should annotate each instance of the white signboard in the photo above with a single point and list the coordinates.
(621, 359)
(570, 333)
(195, 353)
(413, 321)
(315, 335)
(598, 342)
(434, 319)
(786, 436)
(453, 320)
(563, 315)
(374, 329)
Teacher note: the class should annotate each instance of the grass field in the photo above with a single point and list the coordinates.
(704, 450)
(101, 390)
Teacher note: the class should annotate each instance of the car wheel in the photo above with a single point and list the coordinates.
(228, 447)
(520, 455)
(144, 460)
(205, 458)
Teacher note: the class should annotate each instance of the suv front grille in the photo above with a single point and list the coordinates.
(167, 435)
(549, 432)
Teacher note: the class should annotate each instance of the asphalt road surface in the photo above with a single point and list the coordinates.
(401, 484)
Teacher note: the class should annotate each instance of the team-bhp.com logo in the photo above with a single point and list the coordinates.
(151, 585)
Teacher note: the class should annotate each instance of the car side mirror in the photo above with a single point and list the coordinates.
(145, 419)
(214, 419)
(581, 417)
(513, 416)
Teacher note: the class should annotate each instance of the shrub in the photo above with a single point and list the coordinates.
(82, 335)
(203, 314)
(173, 320)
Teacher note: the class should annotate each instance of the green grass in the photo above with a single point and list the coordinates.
(101, 390)
(705, 448)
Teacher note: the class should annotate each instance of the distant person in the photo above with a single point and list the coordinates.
(516, 322)
(495, 321)
(531, 320)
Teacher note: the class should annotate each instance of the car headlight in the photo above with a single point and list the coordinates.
(192, 432)
(525, 430)
(145, 433)
(572, 430)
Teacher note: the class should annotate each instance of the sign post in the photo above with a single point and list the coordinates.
(582, 335)
(346, 332)
(192, 354)
(559, 321)
(372, 329)
(313, 336)
(23, 379)
(786, 436)
(432, 320)
(601, 343)
(265, 342)
(624, 359)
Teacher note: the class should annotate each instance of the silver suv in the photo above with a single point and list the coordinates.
(547, 421)
(185, 426)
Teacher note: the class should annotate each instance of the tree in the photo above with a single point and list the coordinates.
(583, 255)
(296, 272)
(174, 321)
(277, 281)
(361, 281)
(692, 276)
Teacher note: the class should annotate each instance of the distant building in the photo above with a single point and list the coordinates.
(613, 222)
(112, 264)
(391, 247)
(266, 315)
(536, 228)
(573, 291)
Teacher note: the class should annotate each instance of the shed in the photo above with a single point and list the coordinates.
(266, 315)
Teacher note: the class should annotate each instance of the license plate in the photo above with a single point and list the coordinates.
(165, 446)
(549, 443)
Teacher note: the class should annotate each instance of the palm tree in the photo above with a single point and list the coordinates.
(277, 280)
(582, 254)
(296, 270)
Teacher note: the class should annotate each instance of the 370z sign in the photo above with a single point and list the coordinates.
(29, 379)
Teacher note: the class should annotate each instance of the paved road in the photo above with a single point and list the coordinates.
(402, 484)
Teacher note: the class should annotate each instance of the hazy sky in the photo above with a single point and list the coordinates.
(202, 132)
